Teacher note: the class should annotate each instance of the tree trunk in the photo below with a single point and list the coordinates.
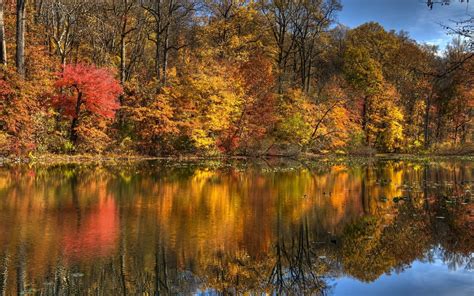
(463, 133)
(303, 66)
(426, 124)
(308, 75)
(165, 55)
(75, 120)
(38, 7)
(63, 60)
(122, 60)
(157, 60)
(3, 43)
(365, 121)
(280, 73)
(166, 41)
(20, 36)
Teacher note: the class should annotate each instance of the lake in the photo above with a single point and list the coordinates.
(359, 227)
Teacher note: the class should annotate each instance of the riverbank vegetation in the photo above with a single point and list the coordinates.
(225, 77)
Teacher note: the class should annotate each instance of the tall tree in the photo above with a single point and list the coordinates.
(369, 50)
(462, 27)
(281, 16)
(235, 29)
(3, 43)
(123, 10)
(165, 15)
(64, 22)
(313, 17)
(20, 36)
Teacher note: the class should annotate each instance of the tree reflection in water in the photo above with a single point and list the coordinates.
(159, 229)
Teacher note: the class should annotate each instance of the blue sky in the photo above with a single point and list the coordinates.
(412, 16)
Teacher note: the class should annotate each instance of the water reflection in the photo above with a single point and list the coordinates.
(160, 229)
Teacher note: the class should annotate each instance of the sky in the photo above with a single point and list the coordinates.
(412, 16)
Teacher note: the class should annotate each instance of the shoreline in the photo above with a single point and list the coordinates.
(63, 159)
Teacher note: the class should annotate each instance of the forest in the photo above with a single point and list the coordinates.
(226, 78)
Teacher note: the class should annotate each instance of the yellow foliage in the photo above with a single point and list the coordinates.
(209, 102)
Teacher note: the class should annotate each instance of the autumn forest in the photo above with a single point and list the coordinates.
(226, 77)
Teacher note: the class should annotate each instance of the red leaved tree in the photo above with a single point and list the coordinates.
(85, 87)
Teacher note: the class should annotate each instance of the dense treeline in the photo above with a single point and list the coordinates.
(209, 77)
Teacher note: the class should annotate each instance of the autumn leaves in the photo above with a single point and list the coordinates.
(218, 77)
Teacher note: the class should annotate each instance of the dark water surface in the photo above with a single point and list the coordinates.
(379, 228)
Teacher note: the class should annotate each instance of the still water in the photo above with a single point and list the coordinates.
(361, 228)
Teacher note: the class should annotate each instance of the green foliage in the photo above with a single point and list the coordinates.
(362, 71)
(296, 113)
(356, 145)
(68, 147)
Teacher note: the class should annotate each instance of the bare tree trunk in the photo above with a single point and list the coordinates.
(123, 54)
(303, 66)
(308, 75)
(75, 120)
(3, 43)
(38, 7)
(281, 71)
(165, 55)
(166, 41)
(463, 133)
(157, 56)
(63, 60)
(20, 36)
(426, 124)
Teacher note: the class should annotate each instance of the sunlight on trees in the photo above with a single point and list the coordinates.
(224, 78)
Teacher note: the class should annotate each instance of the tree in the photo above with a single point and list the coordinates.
(334, 122)
(368, 58)
(151, 117)
(122, 11)
(213, 97)
(296, 27)
(84, 88)
(364, 74)
(3, 44)
(233, 30)
(296, 119)
(18, 105)
(165, 16)
(64, 23)
(463, 28)
(20, 36)
(281, 16)
(453, 101)
(257, 112)
(227, 77)
(313, 18)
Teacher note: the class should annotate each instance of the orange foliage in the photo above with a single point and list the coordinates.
(258, 111)
(17, 107)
